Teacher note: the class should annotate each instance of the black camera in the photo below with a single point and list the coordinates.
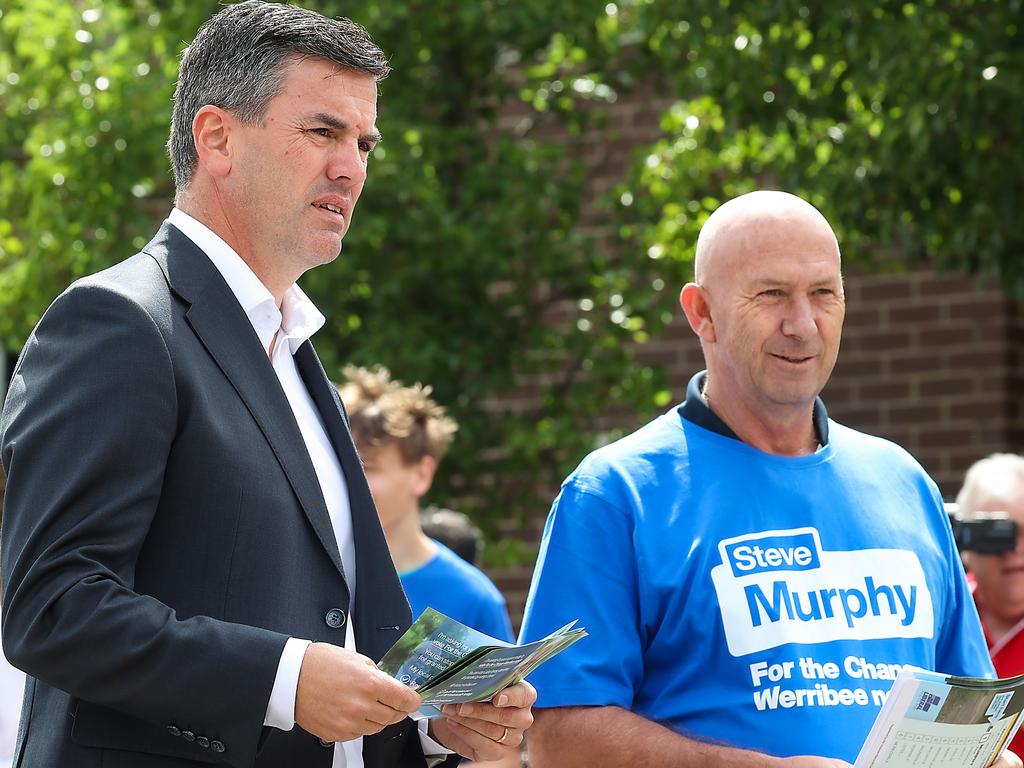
(990, 533)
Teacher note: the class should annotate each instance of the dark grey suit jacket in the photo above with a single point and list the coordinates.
(164, 530)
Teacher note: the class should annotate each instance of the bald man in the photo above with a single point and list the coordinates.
(752, 574)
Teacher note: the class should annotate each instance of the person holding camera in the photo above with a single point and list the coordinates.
(994, 486)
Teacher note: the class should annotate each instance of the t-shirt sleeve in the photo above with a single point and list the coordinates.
(586, 570)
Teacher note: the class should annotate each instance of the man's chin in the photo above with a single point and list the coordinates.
(794, 396)
(325, 248)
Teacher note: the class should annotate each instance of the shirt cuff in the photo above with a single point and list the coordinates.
(281, 708)
(434, 752)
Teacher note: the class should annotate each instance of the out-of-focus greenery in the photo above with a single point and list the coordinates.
(902, 121)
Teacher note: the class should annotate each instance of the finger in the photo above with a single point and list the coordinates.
(479, 711)
(501, 734)
(471, 744)
(522, 694)
(393, 694)
(383, 715)
(455, 742)
(513, 717)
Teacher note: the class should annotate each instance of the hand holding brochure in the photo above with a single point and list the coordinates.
(941, 721)
(447, 662)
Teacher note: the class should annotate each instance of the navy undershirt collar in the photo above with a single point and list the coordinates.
(696, 410)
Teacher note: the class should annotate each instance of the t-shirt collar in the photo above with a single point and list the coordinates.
(695, 410)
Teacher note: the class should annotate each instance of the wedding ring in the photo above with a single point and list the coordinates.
(503, 736)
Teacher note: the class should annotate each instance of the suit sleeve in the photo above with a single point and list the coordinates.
(89, 421)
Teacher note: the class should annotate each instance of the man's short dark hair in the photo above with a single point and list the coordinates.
(239, 58)
(453, 529)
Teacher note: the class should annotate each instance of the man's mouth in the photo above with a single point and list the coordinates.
(329, 207)
(792, 359)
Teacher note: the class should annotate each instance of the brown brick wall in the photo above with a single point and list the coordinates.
(946, 352)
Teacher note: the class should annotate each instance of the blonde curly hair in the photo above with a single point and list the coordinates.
(381, 410)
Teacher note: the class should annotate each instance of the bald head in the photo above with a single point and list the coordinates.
(768, 308)
(761, 224)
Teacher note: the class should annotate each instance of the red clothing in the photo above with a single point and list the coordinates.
(1007, 657)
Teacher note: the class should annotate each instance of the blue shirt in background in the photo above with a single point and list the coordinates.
(461, 591)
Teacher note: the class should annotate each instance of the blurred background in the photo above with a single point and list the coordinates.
(531, 214)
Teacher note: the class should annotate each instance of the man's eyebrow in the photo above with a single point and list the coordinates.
(782, 281)
(768, 282)
(340, 125)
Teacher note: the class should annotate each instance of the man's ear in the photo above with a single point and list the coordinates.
(425, 469)
(211, 130)
(968, 560)
(694, 301)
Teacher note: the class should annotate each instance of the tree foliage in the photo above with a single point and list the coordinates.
(467, 266)
(902, 121)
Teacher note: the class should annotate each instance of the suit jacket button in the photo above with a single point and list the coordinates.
(325, 743)
(203, 742)
(217, 746)
(188, 736)
(173, 730)
(335, 618)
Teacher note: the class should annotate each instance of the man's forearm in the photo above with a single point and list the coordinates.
(584, 737)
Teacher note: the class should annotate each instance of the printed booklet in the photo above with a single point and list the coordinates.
(931, 719)
(447, 662)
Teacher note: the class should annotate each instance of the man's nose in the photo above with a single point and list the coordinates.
(800, 320)
(348, 163)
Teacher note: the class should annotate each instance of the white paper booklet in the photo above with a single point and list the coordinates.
(941, 721)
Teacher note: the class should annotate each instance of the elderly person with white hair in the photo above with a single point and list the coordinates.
(996, 485)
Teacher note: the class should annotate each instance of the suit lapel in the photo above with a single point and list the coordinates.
(225, 331)
(378, 587)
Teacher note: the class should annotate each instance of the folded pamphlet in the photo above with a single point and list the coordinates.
(941, 721)
(447, 662)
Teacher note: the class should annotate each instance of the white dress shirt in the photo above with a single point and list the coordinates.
(281, 332)
(12, 688)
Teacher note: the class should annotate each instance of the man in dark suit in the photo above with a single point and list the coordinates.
(192, 560)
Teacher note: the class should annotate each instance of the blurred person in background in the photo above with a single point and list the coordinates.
(995, 485)
(12, 680)
(455, 530)
(401, 435)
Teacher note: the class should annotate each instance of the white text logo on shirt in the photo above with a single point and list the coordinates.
(778, 587)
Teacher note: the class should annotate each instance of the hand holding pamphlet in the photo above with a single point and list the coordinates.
(941, 721)
(447, 662)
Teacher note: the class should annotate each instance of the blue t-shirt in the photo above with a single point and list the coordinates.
(449, 584)
(761, 601)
